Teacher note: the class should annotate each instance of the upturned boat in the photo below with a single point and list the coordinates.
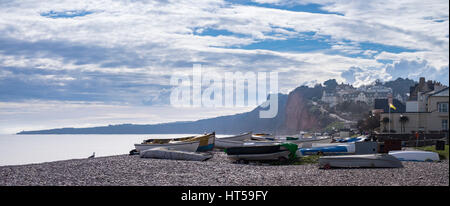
(165, 153)
(280, 155)
(418, 156)
(174, 145)
(356, 161)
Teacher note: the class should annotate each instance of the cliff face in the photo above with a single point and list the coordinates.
(298, 117)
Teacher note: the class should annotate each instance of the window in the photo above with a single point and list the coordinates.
(443, 107)
(444, 124)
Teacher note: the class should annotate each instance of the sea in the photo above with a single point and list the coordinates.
(29, 149)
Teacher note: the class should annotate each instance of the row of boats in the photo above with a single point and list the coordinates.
(246, 146)
(259, 147)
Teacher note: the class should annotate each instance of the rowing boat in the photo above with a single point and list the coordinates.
(180, 145)
(224, 144)
(418, 156)
(280, 155)
(328, 150)
(165, 153)
(355, 161)
(207, 141)
(239, 137)
(254, 149)
(274, 151)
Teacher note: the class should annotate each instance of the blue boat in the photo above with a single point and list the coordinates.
(328, 150)
(352, 139)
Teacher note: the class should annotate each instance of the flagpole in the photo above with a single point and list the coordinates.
(389, 119)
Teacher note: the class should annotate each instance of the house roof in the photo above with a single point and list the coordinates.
(441, 93)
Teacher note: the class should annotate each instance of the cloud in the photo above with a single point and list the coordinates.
(417, 69)
(125, 51)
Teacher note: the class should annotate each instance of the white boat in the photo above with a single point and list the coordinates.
(220, 143)
(281, 155)
(240, 137)
(309, 141)
(165, 153)
(420, 156)
(329, 144)
(233, 141)
(181, 146)
(355, 161)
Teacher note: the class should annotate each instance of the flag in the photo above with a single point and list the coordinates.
(392, 106)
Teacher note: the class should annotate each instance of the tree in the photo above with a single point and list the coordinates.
(403, 120)
(330, 85)
(369, 124)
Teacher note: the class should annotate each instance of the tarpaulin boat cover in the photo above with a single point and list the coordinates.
(292, 149)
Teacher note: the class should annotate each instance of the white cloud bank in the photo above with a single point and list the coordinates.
(143, 42)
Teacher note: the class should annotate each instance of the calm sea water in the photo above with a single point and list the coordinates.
(27, 149)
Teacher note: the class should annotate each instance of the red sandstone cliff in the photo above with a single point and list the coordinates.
(298, 117)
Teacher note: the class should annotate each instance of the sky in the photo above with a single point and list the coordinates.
(89, 63)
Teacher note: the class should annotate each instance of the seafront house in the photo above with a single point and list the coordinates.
(426, 111)
(347, 93)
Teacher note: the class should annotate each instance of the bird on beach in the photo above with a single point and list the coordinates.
(92, 156)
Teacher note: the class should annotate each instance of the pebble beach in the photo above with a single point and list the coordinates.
(128, 170)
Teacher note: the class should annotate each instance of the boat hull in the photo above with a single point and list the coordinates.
(224, 144)
(239, 137)
(181, 146)
(233, 141)
(416, 156)
(254, 149)
(358, 161)
(207, 142)
(341, 149)
(164, 153)
(261, 157)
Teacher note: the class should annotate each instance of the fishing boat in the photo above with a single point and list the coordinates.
(418, 156)
(166, 153)
(352, 139)
(262, 137)
(204, 143)
(262, 152)
(280, 155)
(254, 149)
(207, 141)
(324, 139)
(340, 149)
(356, 161)
(239, 137)
(174, 145)
(224, 144)
(261, 134)
(328, 144)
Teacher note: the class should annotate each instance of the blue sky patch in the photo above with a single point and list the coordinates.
(215, 32)
(383, 47)
(310, 8)
(292, 44)
(65, 14)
